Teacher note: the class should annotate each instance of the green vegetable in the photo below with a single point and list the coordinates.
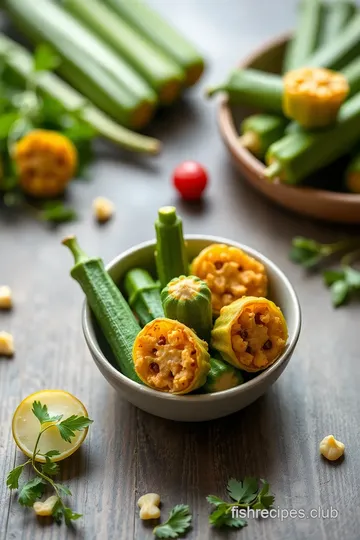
(19, 62)
(337, 16)
(297, 155)
(188, 299)
(306, 36)
(343, 282)
(108, 305)
(144, 295)
(89, 65)
(33, 489)
(170, 254)
(259, 131)
(342, 49)
(178, 523)
(153, 27)
(161, 72)
(249, 493)
(352, 175)
(253, 88)
(222, 376)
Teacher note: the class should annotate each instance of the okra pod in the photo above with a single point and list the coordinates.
(143, 294)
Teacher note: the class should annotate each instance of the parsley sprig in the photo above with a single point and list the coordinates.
(249, 493)
(344, 281)
(34, 488)
(178, 522)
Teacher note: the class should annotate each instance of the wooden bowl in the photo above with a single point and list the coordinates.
(316, 203)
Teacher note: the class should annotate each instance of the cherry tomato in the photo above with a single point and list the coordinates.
(190, 179)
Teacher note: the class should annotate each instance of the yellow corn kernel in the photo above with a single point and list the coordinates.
(5, 297)
(6, 344)
(313, 96)
(149, 506)
(45, 508)
(103, 209)
(46, 161)
(331, 449)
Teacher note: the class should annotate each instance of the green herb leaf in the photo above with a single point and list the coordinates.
(179, 521)
(6, 123)
(331, 276)
(52, 453)
(304, 257)
(57, 512)
(212, 499)
(243, 492)
(42, 414)
(68, 427)
(352, 277)
(70, 516)
(236, 523)
(12, 480)
(50, 468)
(31, 491)
(339, 292)
(265, 500)
(45, 58)
(307, 244)
(219, 516)
(57, 212)
(64, 489)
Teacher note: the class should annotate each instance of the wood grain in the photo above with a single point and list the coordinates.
(128, 452)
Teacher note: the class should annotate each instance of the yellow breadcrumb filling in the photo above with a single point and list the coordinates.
(184, 288)
(166, 357)
(230, 274)
(46, 162)
(258, 336)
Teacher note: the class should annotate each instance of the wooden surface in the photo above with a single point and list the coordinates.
(127, 452)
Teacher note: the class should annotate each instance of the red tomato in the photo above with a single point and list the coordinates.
(190, 179)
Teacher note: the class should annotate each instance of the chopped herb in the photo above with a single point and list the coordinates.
(178, 522)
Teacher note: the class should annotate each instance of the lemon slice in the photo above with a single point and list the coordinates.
(26, 427)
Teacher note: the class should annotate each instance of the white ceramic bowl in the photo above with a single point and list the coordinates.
(194, 408)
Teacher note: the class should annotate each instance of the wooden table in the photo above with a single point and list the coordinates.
(128, 452)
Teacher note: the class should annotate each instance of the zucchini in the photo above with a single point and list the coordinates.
(170, 254)
(253, 88)
(161, 72)
(352, 175)
(337, 16)
(170, 357)
(150, 25)
(111, 311)
(19, 63)
(89, 65)
(188, 299)
(222, 376)
(250, 334)
(143, 294)
(305, 39)
(342, 50)
(298, 154)
(259, 131)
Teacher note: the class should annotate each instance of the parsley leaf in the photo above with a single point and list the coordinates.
(42, 414)
(179, 521)
(12, 480)
(264, 499)
(57, 212)
(69, 515)
(330, 276)
(352, 277)
(212, 499)
(52, 453)
(235, 522)
(243, 492)
(31, 491)
(74, 423)
(50, 468)
(339, 292)
(64, 489)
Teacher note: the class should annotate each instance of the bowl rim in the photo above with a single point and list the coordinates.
(213, 396)
(230, 135)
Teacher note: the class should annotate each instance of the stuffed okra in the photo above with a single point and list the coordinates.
(169, 357)
(250, 334)
(188, 300)
(230, 274)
